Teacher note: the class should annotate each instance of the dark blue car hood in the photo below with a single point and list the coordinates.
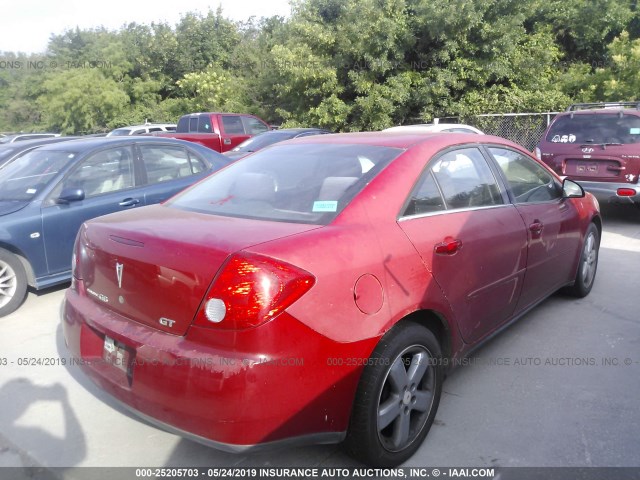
(10, 206)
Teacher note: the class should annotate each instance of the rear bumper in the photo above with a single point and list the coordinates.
(607, 191)
(232, 390)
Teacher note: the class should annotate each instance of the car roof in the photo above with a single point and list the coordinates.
(399, 139)
(430, 127)
(601, 111)
(98, 142)
(146, 125)
(37, 141)
(298, 130)
(12, 136)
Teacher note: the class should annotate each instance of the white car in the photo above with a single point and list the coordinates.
(142, 129)
(18, 137)
(435, 127)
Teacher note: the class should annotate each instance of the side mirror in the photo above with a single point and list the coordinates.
(69, 195)
(571, 189)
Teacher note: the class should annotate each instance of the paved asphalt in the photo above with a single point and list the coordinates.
(559, 388)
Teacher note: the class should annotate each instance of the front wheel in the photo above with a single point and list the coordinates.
(13, 283)
(588, 265)
(397, 397)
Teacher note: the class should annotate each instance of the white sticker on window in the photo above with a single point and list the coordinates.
(325, 206)
(572, 138)
(555, 139)
(31, 191)
(634, 131)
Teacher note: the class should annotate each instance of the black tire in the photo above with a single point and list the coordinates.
(13, 283)
(588, 265)
(408, 350)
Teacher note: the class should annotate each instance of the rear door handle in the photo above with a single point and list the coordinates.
(449, 246)
(129, 202)
(536, 227)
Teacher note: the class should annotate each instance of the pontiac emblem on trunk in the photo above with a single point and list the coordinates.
(119, 268)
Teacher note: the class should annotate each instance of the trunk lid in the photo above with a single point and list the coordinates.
(154, 265)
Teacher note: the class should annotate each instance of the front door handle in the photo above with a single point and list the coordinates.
(129, 202)
(449, 246)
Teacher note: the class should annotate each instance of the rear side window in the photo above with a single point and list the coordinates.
(232, 125)
(458, 179)
(595, 128)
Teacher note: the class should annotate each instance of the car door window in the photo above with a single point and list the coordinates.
(167, 162)
(232, 125)
(529, 181)
(458, 179)
(103, 172)
(253, 126)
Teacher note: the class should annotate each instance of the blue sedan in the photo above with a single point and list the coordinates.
(47, 193)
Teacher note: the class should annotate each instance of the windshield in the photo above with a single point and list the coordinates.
(28, 174)
(254, 144)
(596, 129)
(309, 183)
(6, 153)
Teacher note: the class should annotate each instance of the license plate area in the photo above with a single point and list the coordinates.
(119, 356)
(593, 168)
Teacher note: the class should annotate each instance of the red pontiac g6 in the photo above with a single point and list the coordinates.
(311, 292)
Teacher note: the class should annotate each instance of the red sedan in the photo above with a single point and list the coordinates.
(318, 290)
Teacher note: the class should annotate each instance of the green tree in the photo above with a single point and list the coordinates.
(80, 101)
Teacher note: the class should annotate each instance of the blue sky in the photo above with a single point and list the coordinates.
(28, 24)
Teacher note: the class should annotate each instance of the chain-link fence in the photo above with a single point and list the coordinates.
(525, 129)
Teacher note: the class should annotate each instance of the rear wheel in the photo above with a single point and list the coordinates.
(13, 283)
(397, 397)
(588, 265)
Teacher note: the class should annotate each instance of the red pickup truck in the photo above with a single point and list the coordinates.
(217, 131)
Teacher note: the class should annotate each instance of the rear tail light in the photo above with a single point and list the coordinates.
(79, 254)
(251, 290)
(538, 153)
(626, 192)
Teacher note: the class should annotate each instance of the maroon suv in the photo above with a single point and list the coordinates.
(598, 145)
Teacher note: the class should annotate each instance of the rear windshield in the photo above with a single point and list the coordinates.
(310, 183)
(28, 174)
(597, 129)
